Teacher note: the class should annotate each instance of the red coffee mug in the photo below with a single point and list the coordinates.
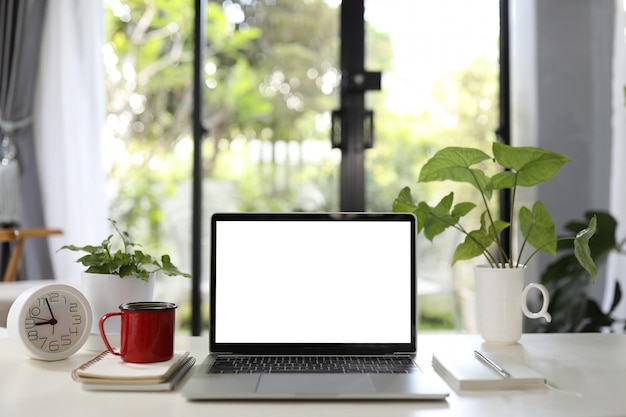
(147, 331)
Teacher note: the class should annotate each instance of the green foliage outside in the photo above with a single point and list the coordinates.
(271, 81)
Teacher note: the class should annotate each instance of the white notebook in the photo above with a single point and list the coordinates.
(106, 368)
(466, 372)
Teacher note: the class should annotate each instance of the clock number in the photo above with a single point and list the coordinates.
(65, 340)
(54, 297)
(29, 323)
(53, 346)
(78, 319)
(34, 311)
(74, 330)
(73, 307)
(33, 335)
(45, 339)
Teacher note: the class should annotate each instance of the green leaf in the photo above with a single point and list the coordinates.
(170, 269)
(99, 269)
(476, 243)
(604, 240)
(454, 164)
(404, 202)
(582, 250)
(125, 238)
(528, 166)
(493, 229)
(142, 275)
(563, 267)
(617, 297)
(128, 270)
(92, 260)
(143, 258)
(462, 209)
(538, 229)
(437, 219)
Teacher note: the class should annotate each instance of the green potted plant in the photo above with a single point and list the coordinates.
(514, 167)
(117, 273)
(126, 261)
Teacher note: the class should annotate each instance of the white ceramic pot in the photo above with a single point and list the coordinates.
(501, 299)
(105, 294)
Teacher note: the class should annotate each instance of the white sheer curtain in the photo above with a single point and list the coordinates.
(69, 117)
(617, 263)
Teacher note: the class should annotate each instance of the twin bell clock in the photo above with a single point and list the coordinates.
(51, 322)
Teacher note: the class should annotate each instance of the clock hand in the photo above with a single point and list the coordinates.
(52, 321)
(50, 309)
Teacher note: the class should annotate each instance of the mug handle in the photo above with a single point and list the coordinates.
(543, 311)
(103, 334)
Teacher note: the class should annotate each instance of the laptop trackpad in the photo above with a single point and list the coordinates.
(315, 383)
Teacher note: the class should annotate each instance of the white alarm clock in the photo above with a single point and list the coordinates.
(51, 322)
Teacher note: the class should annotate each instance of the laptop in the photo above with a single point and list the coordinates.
(312, 306)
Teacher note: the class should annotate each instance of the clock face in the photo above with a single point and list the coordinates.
(51, 322)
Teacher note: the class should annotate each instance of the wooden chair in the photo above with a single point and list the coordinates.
(17, 236)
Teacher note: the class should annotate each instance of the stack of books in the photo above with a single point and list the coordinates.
(108, 372)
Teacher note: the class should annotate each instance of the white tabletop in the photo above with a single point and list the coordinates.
(589, 369)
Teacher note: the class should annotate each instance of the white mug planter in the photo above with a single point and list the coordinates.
(105, 293)
(501, 298)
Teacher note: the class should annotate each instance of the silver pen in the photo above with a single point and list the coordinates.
(484, 359)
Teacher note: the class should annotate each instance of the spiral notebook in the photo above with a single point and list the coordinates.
(107, 371)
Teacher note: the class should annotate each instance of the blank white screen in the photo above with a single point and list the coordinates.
(313, 282)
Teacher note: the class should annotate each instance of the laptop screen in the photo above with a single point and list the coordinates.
(313, 280)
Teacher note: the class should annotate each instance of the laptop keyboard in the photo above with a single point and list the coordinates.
(313, 364)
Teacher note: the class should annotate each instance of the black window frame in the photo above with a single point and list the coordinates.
(354, 137)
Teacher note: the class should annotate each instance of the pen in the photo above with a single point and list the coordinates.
(484, 359)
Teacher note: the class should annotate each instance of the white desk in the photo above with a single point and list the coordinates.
(592, 365)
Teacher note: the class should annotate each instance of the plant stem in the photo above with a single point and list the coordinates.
(496, 235)
(545, 244)
(511, 218)
(490, 258)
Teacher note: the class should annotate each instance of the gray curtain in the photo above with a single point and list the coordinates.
(21, 25)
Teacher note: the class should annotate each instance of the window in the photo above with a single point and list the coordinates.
(272, 77)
